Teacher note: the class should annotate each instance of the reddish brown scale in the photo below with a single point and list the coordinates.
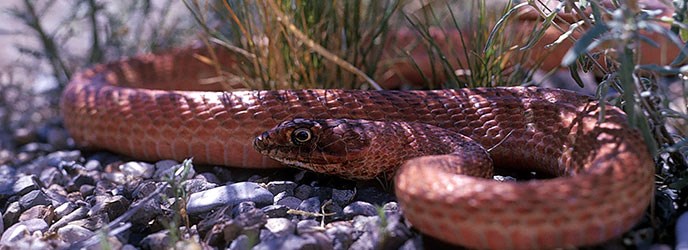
(152, 107)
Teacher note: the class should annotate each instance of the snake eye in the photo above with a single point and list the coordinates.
(301, 135)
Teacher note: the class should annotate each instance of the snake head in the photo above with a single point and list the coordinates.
(324, 146)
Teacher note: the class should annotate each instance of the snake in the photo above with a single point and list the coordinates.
(152, 107)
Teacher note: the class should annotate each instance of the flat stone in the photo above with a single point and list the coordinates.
(64, 209)
(275, 211)
(53, 176)
(34, 198)
(228, 195)
(290, 202)
(92, 222)
(72, 156)
(25, 184)
(276, 187)
(73, 233)
(113, 206)
(92, 165)
(280, 226)
(359, 208)
(138, 170)
(310, 205)
(43, 212)
(76, 214)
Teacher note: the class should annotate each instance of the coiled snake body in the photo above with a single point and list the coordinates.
(151, 107)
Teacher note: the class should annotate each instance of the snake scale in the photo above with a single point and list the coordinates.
(150, 107)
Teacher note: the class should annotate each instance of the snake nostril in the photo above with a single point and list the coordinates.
(259, 141)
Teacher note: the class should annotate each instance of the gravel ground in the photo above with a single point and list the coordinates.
(58, 197)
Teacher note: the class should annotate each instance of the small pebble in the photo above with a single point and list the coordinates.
(280, 226)
(228, 195)
(310, 205)
(138, 170)
(43, 212)
(113, 206)
(73, 233)
(208, 177)
(303, 192)
(276, 187)
(158, 240)
(23, 229)
(79, 180)
(23, 136)
(12, 213)
(64, 209)
(79, 213)
(86, 190)
(280, 196)
(243, 207)
(196, 185)
(342, 196)
(307, 226)
(290, 202)
(53, 176)
(33, 198)
(25, 184)
(275, 211)
(359, 208)
(63, 156)
(342, 235)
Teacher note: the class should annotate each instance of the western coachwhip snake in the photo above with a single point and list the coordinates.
(150, 107)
